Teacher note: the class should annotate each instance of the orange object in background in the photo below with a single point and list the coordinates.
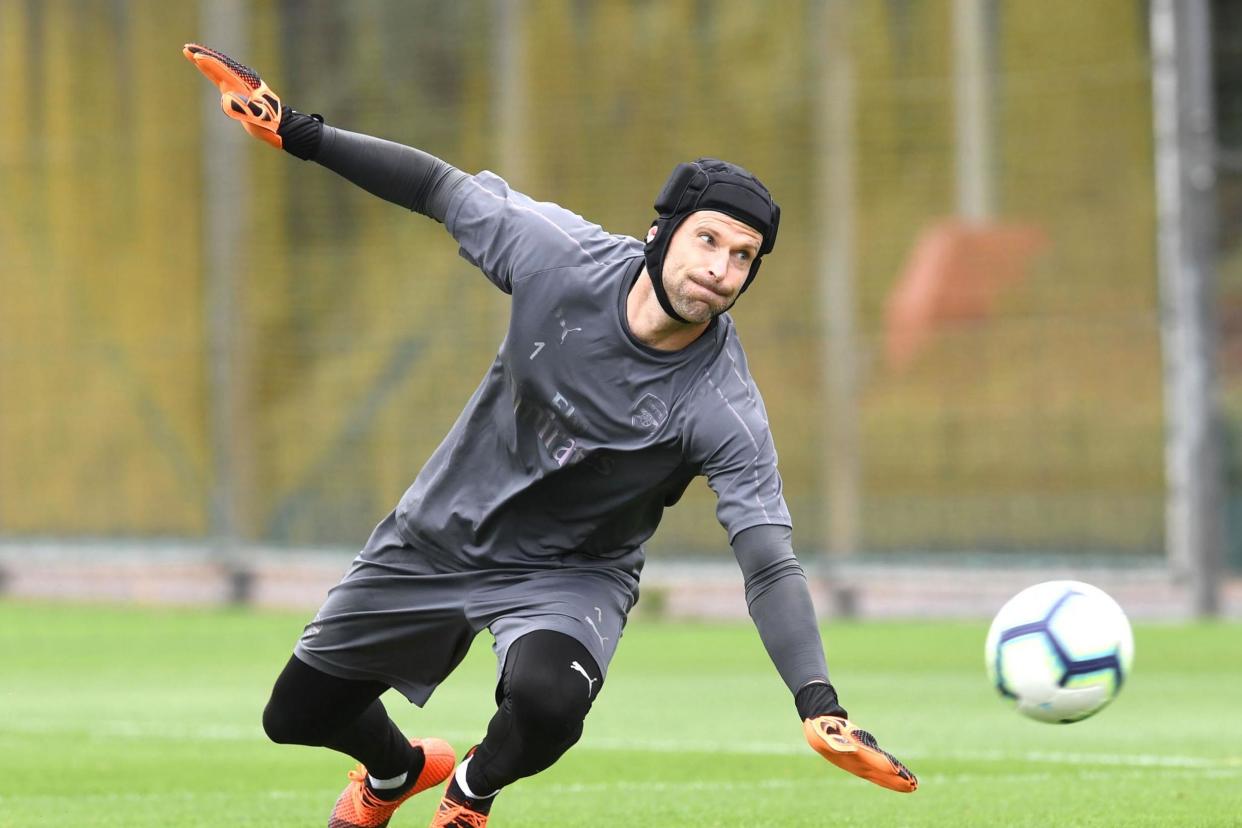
(955, 272)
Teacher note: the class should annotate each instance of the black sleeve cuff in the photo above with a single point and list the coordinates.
(300, 133)
(818, 699)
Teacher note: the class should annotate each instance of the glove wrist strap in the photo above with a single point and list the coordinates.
(299, 133)
(818, 699)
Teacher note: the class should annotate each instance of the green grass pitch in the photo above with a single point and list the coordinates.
(147, 717)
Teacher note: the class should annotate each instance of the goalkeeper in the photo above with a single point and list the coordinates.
(621, 379)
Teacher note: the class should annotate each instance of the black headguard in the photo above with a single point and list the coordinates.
(709, 184)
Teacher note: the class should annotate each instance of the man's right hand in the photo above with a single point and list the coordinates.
(243, 94)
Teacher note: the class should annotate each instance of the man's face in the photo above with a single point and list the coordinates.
(707, 263)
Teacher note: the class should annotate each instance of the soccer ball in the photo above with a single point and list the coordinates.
(1060, 650)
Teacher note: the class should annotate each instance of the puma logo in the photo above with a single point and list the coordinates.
(595, 629)
(566, 331)
(590, 681)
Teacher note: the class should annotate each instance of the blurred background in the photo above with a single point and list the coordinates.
(1000, 338)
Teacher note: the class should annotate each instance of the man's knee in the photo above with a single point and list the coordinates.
(279, 725)
(308, 707)
(549, 703)
(553, 683)
(288, 725)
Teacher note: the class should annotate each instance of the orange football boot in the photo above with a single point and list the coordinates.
(452, 814)
(459, 811)
(359, 807)
(855, 750)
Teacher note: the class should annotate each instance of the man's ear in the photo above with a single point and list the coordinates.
(651, 232)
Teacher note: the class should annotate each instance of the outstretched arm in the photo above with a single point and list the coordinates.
(403, 175)
(780, 605)
(400, 174)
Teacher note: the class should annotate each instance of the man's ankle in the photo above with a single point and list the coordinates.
(393, 787)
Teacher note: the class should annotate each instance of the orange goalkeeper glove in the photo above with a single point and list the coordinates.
(243, 94)
(855, 750)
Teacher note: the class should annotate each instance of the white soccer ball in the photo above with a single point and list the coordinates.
(1059, 650)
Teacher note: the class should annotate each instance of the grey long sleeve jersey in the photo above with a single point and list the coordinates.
(490, 221)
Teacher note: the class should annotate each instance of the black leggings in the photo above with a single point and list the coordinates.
(310, 707)
(545, 692)
(546, 689)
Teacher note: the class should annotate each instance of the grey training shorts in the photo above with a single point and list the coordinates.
(406, 617)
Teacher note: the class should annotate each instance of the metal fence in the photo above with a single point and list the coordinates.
(958, 338)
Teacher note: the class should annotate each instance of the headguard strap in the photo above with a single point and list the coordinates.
(709, 184)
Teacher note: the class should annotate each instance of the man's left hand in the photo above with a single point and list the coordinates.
(855, 750)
